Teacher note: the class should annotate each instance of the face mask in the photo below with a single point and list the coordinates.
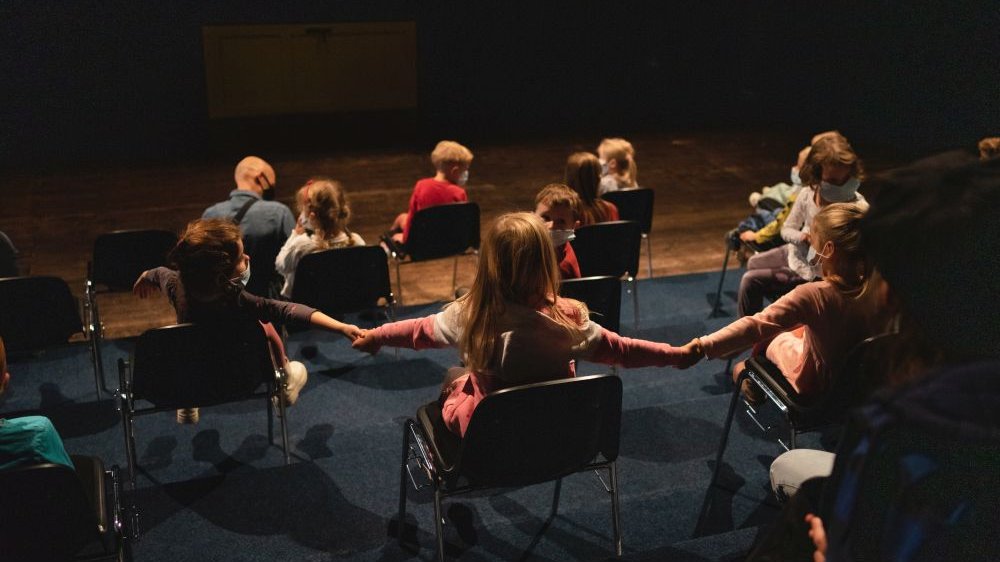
(604, 167)
(244, 277)
(303, 220)
(464, 178)
(813, 257)
(796, 180)
(560, 237)
(839, 193)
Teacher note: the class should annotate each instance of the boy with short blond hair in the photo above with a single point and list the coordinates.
(451, 162)
(559, 207)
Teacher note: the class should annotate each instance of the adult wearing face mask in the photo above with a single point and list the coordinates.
(832, 174)
(205, 284)
(265, 224)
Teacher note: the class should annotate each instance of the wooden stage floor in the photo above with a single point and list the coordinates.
(702, 181)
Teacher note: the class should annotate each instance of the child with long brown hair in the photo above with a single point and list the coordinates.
(327, 214)
(583, 175)
(512, 328)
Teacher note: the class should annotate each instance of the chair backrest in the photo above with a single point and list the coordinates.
(121, 256)
(36, 312)
(602, 295)
(443, 230)
(634, 205)
(44, 513)
(8, 257)
(537, 432)
(608, 248)
(343, 280)
(862, 371)
(188, 365)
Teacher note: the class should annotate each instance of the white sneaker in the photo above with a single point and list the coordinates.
(297, 377)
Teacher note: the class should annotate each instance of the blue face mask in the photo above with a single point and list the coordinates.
(839, 193)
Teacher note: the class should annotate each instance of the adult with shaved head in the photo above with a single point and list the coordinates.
(265, 224)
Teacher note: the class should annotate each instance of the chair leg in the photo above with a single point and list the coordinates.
(283, 411)
(402, 481)
(439, 524)
(635, 301)
(555, 499)
(726, 428)
(716, 306)
(399, 283)
(615, 508)
(454, 277)
(96, 335)
(270, 420)
(649, 255)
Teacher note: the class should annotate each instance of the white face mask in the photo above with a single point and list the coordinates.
(839, 193)
(464, 178)
(604, 167)
(796, 180)
(813, 257)
(560, 237)
(244, 277)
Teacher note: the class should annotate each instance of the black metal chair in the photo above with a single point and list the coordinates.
(344, 280)
(8, 257)
(38, 312)
(52, 512)
(611, 248)
(602, 295)
(854, 379)
(119, 258)
(503, 446)
(197, 365)
(636, 204)
(441, 231)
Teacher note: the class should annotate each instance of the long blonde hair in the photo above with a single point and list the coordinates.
(517, 264)
(840, 223)
(328, 201)
(621, 151)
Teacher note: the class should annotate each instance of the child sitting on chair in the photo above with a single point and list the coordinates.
(512, 328)
(451, 162)
(583, 175)
(559, 208)
(817, 323)
(618, 168)
(207, 283)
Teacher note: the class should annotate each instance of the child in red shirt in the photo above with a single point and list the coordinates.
(452, 161)
(559, 208)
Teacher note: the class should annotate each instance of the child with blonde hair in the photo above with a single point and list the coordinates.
(817, 323)
(512, 328)
(451, 164)
(326, 216)
(559, 208)
(618, 168)
(583, 175)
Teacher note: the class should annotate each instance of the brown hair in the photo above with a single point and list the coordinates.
(830, 150)
(559, 195)
(621, 151)
(449, 153)
(989, 148)
(3, 357)
(328, 201)
(206, 256)
(583, 175)
(517, 264)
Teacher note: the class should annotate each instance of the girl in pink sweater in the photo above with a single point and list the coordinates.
(817, 323)
(512, 328)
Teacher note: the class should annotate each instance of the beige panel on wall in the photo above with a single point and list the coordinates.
(316, 68)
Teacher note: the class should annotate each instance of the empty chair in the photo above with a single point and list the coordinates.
(856, 376)
(504, 448)
(438, 232)
(611, 248)
(8, 257)
(603, 296)
(119, 258)
(344, 280)
(636, 205)
(52, 512)
(189, 365)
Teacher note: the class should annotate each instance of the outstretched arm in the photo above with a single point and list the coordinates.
(614, 349)
(321, 320)
(418, 333)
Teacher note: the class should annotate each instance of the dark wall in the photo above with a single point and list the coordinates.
(122, 80)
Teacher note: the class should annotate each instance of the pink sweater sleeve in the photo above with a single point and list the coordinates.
(613, 349)
(800, 306)
(417, 333)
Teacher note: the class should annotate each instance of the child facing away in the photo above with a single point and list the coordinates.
(451, 162)
(618, 168)
(559, 208)
(817, 323)
(206, 284)
(583, 175)
(512, 328)
(327, 214)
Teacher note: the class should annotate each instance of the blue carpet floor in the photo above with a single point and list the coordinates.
(219, 490)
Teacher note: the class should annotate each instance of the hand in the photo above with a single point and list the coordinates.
(690, 354)
(748, 236)
(144, 287)
(818, 535)
(367, 342)
(352, 332)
